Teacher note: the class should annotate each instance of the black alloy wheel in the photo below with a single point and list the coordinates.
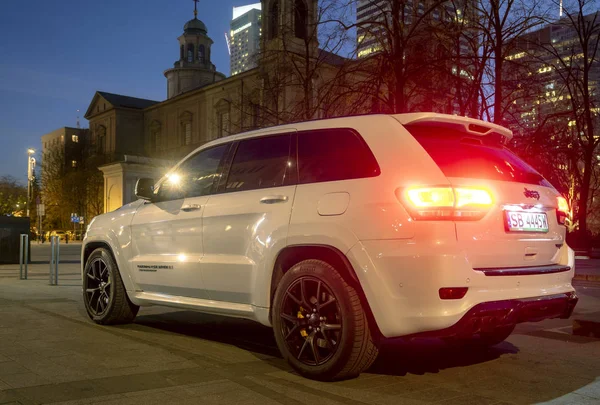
(319, 323)
(312, 321)
(98, 286)
(104, 295)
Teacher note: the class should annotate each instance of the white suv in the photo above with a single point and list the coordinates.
(340, 233)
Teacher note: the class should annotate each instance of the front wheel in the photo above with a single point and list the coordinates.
(320, 326)
(104, 294)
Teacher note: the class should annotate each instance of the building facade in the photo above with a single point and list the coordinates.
(194, 68)
(67, 143)
(136, 138)
(373, 18)
(546, 57)
(244, 38)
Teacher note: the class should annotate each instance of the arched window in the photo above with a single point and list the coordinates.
(201, 56)
(274, 19)
(190, 53)
(185, 120)
(181, 52)
(300, 19)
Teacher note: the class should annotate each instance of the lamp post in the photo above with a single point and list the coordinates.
(30, 167)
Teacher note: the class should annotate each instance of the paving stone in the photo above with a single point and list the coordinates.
(11, 367)
(402, 388)
(469, 399)
(433, 394)
(7, 349)
(62, 392)
(24, 380)
(4, 386)
(85, 401)
(240, 397)
(298, 393)
(212, 387)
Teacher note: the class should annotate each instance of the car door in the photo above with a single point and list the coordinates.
(167, 234)
(248, 216)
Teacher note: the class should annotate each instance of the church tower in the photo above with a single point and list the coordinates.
(290, 25)
(194, 68)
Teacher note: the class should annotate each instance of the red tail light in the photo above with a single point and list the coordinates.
(562, 211)
(454, 293)
(447, 203)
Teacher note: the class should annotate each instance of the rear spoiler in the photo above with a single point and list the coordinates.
(467, 125)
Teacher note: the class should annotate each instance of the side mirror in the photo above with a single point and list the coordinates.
(144, 188)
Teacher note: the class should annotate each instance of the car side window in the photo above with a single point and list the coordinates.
(334, 154)
(260, 163)
(195, 177)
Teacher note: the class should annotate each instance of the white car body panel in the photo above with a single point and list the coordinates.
(241, 235)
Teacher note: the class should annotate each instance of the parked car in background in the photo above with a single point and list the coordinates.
(342, 233)
(61, 234)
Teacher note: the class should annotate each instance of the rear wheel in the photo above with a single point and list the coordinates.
(320, 326)
(104, 294)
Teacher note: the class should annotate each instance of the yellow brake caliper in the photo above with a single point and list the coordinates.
(300, 316)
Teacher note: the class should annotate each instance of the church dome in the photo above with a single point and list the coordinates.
(194, 26)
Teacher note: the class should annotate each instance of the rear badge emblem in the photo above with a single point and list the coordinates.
(531, 194)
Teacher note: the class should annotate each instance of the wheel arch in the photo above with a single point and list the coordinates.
(293, 254)
(94, 244)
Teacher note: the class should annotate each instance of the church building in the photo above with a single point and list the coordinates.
(135, 137)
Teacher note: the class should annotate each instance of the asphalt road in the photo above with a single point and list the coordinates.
(69, 252)
(50, 352)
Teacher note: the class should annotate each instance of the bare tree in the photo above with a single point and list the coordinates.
(71, 189)
(502, 23)
(302, 74)
(576, 62)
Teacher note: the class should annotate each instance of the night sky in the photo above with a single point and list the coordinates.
(56, 54)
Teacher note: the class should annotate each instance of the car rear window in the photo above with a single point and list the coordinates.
(481, 157)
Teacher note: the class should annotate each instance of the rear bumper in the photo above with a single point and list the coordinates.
(401, 280)
(489, 315)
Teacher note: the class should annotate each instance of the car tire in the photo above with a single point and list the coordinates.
(104, 294)
(319, 323)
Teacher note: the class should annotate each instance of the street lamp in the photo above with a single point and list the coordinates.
(30, 168)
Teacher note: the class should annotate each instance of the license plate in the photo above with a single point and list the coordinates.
(518, 221)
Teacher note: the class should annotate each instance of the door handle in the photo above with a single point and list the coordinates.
(274, 199)
(190, 207)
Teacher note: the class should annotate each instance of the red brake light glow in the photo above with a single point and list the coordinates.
(450, 203)
(563, 210)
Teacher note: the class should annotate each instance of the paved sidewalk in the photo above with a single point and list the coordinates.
(50, 352)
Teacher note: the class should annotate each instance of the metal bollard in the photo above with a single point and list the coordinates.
(54, 259)
(23, 255)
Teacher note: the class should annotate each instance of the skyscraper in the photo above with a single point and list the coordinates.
(549, 58)
(369, 10)
(244, 38)
(372, 17)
